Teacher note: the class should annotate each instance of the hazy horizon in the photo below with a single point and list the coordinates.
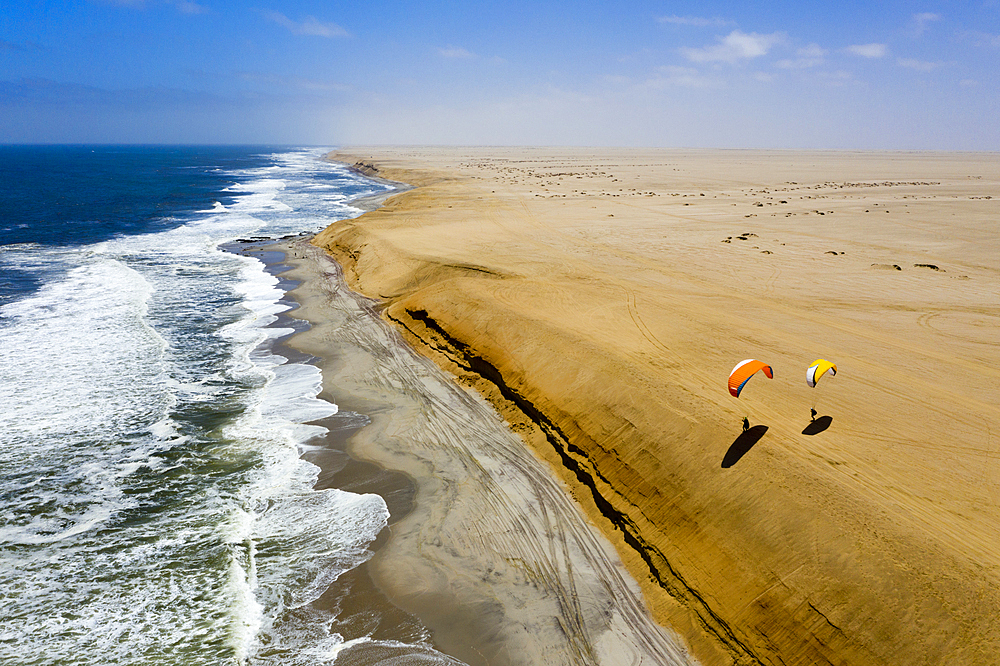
(685, 75)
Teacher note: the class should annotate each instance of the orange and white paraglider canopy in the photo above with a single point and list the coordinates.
(742, 373)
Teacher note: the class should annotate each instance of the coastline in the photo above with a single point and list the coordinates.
(488, 552)
(376, 201)
(361, 612)
(821, 550)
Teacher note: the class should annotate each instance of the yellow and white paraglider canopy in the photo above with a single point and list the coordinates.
(817, 369)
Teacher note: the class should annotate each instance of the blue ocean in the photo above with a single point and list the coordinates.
(155, 505)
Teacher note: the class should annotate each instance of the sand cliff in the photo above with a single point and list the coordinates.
(600, 298)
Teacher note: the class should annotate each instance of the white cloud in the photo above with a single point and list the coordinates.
(968, 83)
(455, 52)
(868, 50)
(735, 46)
(692, 20)
(309, 26)
(812, 51)
(919, 24)
(919, 65)
(809, 56)
(979, 38)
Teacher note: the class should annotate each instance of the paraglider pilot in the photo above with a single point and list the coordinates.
(746, 424)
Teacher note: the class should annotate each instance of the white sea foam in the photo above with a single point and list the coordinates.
(65, 383)
(158, 509)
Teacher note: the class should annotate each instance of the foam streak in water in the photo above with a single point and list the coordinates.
(157, 509)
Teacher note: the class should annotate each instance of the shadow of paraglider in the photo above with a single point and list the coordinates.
(743, 443)
(817, 426)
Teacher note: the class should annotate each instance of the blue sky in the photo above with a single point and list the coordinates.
(837, 75)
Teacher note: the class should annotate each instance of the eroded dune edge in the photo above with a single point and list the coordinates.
(599, 299)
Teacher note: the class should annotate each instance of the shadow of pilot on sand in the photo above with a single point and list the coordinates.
(746, 424)
(743, 444)
(818, 425)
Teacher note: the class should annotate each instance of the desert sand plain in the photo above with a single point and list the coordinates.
(600, 298)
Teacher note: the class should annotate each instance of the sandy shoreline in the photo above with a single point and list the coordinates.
(600, 298)
(485, 547)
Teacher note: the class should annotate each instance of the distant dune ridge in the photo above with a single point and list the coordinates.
(600, 298)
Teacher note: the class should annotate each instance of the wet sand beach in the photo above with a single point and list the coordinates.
(600, 298)
(485, 548)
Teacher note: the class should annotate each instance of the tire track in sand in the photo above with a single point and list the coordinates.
(500, 537)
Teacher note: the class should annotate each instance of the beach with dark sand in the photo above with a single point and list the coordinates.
(485, 548)
(598, 300)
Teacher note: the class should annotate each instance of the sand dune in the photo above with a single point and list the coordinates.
(492, 554)
(600, 299)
